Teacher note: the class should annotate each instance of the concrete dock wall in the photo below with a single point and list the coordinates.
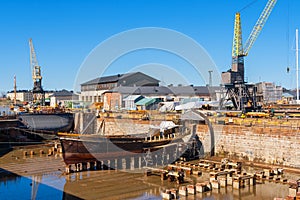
(272, 145)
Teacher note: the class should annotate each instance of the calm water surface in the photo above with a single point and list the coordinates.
(57, 186)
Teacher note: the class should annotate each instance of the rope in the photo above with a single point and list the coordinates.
(248, 5)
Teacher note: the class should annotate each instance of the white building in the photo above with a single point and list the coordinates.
(63, 98)
(21, 95)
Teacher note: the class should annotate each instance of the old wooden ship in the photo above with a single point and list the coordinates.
(92, 147)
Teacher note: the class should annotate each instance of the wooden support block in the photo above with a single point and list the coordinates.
(229, 180)
(215, 184)
(50, 152)
(236, 184)
(293, 191)
(283, 180)
(174, 193)
(200, 187)
(191, 189)
(92, 165)
(166, 195)
(183, 191)
(163, 176)
(198, 173)
(252, 181)
(223, 182)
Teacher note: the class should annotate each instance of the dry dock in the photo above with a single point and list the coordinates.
(115, 184)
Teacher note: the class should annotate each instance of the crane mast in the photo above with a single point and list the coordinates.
(238, 91)
(38, 92)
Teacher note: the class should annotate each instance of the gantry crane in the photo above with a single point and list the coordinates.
(238, 91)
(37, 91)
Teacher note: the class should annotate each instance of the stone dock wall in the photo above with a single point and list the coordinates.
(126, 126)
(265, 141)
(271, 145)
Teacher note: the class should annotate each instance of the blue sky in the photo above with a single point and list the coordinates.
(65, 32)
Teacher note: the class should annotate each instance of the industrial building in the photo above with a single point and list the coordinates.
(139, 91)
(91, 91)
(268, 92)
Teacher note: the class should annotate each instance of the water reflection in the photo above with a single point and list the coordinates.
(13, 186)
(112, 184)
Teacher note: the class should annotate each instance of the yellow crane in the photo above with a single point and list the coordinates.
(37, 91)
(238, 51)
(238, 91)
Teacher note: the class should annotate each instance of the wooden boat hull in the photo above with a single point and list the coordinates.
(87, 149)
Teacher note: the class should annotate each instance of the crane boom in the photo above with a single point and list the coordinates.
(33, 59)
(38, 92)
(259, 25)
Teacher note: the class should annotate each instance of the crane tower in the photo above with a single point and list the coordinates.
(243, 95)
(37, 91)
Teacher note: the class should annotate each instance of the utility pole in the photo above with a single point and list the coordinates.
(297, 65)
(15, 90)
(210, 78)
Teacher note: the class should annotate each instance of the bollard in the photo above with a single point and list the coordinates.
(42, 152)
(31, 153)
(24, 153)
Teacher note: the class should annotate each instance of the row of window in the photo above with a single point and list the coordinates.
(98, 86)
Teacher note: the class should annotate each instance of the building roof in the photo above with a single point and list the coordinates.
(166, 91)
(132, 97)
(145, 102)
(287, 95)
(63, 93)
(104, 79)
(115, 78)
